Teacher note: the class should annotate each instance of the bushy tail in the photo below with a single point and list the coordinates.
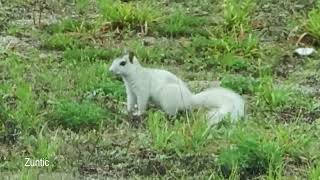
(221, 103)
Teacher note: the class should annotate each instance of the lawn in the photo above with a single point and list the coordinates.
(59, 103)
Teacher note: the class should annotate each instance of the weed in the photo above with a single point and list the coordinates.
(237, 13)
(76, 116)
(43, 146)
(127, 14)
(89, 54)
(62, 42)
(192, 136)
(113, 89)
(181, 24)
(240, 84)
(314, 172)
(272, 96)
(29, 174)
(81, 6)
(91, 77)
(245, 47)
(250, 154)
(69, 25)
(16, 31)
(293, 141)
(147, 54)
(313, 23)
(182, 137)
(160, 131)
(231, 62)
(27, 109)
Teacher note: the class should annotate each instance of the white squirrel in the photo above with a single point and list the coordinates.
(171, 93)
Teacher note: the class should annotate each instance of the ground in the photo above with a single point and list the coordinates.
(59, 102)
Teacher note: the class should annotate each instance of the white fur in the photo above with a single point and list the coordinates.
(171, 93)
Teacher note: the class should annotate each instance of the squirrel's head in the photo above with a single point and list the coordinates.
(125, 64)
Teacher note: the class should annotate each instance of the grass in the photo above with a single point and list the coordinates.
(178, 24)
(76, 116)
(128, 14)
(179, 137)
(251, 154)
(243, 84)
(314, 173)
(237, 14)
(88, 54)
(62, 41)
(313, 25)
(59, 102)
(69, 25)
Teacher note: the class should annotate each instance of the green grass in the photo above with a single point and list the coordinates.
(70, 25)
(58, 100)
(160, 131)
(81, 6)
(314, 173)
(131, 14)
(237, 14)
(89, 54)
(242, 84)
(249, 154)
(180, 24)
(222, 45)
(178, 137)
(78, 115)
(313, 22)
(62, 41)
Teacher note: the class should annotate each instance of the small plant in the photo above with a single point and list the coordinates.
(181, 24)
(182, 137)
(81, 5)
(250, 154)
(240, 84)
(232, 62)
(237, 13)
(62, 42)
(29, 174)
(69, 25)
(314, 172)
(292, 139)
(128, 14)
(245, 47)
(313, 23)
(89, 54)
(27, 109)
(192, 136)
(147, 53)
(113, 89)
(17, 31)
(272, 96)
(43, 146)
(160, 131)
(46, 148)
(94, 77)
(76, 116)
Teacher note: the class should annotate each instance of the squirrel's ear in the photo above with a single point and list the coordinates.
(131, 55)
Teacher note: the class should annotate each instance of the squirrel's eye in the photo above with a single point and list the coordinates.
(122, 63)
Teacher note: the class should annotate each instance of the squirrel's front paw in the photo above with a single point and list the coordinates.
(132, 110)
(137, 113)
